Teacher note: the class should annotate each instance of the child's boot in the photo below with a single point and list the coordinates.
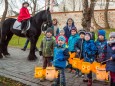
(89, 82)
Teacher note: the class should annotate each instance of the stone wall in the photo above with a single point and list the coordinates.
(77, 17)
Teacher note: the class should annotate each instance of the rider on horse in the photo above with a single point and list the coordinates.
(24, 16)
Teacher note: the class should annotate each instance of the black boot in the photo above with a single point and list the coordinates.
(24, 49)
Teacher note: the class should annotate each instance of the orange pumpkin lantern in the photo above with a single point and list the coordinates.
(72, 55)
(86, 67)
(101, 73)
(39, 72)
(77, 63)
(51, 73)
(95, 66)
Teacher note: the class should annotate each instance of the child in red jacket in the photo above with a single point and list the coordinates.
(24, 16)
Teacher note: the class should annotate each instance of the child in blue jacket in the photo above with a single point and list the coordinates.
(101, 45)
(89, 51)
(71, 45)
(61, 55)
(110, 65)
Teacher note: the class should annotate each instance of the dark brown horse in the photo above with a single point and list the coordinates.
(33, 33)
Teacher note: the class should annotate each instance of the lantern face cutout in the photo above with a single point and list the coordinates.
(72, 55)
(51, 73)
(101, 73)
(95, 66)
(39, 72)
(77, 63)
(86, 67)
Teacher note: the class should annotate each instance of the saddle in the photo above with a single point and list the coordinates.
(17, 25)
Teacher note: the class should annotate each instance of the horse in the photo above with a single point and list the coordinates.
(37, 21)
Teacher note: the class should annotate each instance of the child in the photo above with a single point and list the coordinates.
(101, 45)
(62, 33)
(71, 44)
(24, 16)
(68, 27)
(89, 50)
(61, 55)
(110, 65)
(79, 48)
(46, 48)
(55, 27)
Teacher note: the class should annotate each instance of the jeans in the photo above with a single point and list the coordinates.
(61, 78)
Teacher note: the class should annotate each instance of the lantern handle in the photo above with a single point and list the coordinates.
(105, 61)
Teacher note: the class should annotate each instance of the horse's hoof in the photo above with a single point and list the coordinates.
(7, 56)
(1, 56)
(32, 57)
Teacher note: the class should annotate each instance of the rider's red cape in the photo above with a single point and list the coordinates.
(24, 14)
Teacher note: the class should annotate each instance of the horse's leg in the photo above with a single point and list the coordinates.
(5, 52)
(33, 41)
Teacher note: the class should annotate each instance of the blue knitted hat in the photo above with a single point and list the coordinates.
(101, 32)
(62, 38)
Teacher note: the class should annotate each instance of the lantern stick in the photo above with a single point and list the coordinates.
(105, 61)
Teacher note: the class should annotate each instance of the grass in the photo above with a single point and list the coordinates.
(9, 82)
(19, 42)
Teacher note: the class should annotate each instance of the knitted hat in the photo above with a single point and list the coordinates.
(89, 34)
(81, 32)
(101, 32)
(62, 31)
(74, 28)
(62, 38)
(49, 30)
(112, 34)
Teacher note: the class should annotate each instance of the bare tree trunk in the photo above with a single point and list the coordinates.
(4, 13)
(87, 14)
(34, 8)
(106, 15)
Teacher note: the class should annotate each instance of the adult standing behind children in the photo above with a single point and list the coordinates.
(68, 27)
(55, 27)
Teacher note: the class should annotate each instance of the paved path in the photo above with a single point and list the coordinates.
(18, 68)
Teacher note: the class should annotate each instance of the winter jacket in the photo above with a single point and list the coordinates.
(61, 54)
(57, 31)
(79, 46)
(110, 65)
(72, 41)
(101, 50)
(89, 51)
(24, 14)
(67, 31)
(57, 39)
(47, 46)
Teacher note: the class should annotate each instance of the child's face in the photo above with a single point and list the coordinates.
(60, 42)
(87, 37)
(25, 5)
(73, 32)
(54, 22)
(62, 33)
(48, 34)
(101, 38)
(112, 38)
(82, 36)
(70, 22)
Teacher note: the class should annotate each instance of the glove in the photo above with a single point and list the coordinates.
(40, 53)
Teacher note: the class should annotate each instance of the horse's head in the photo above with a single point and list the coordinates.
(47, 20)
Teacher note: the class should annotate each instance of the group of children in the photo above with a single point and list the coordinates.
(55, 51)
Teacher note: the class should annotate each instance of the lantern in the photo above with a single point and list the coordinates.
(95, 66)
(51, 73)
(72, 55)
(77, 63)
(39, 72)
(86, 67)
(101, 73)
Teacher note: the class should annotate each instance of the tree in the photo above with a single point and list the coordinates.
(88, 11)
(4, 13)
